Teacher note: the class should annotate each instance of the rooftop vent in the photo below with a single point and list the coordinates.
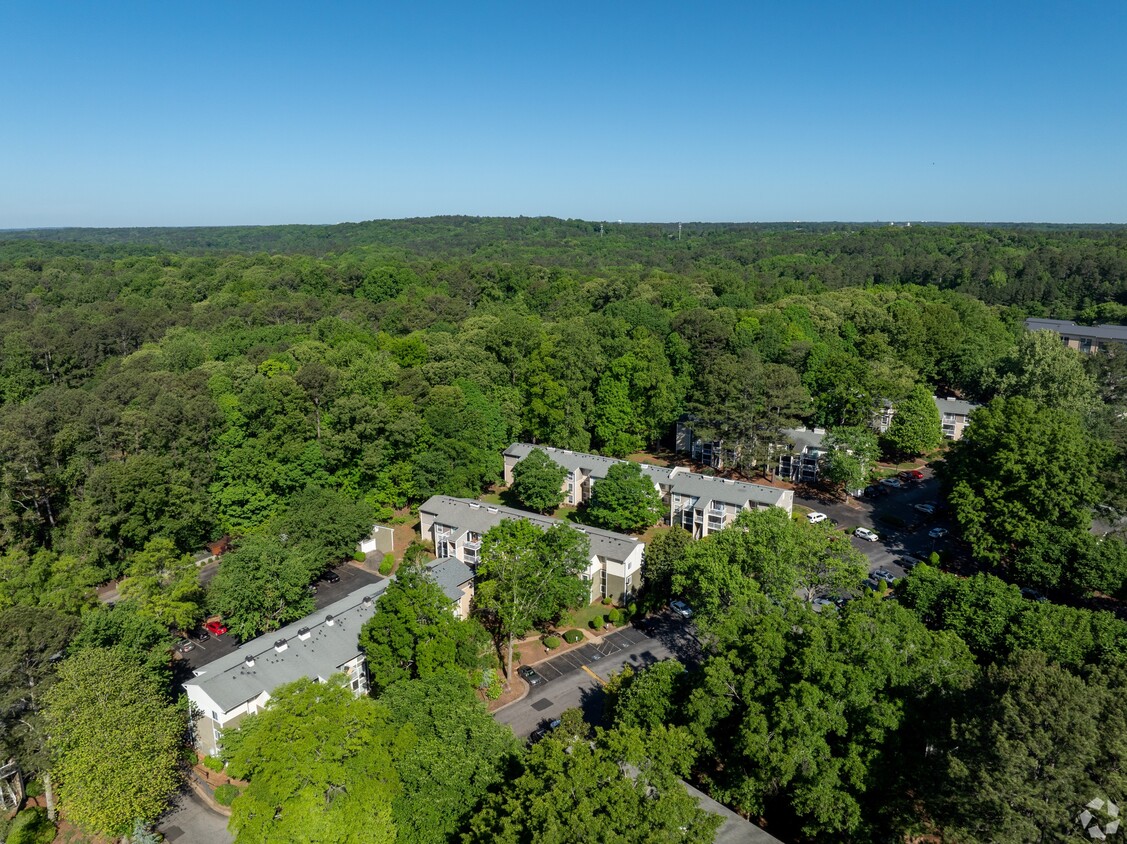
(249, 661)
(474, 505)
(329, 620)
(280, 646)
(492, 509)
(367, 600)
(303, 633)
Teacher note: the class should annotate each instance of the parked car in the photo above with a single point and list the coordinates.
(540, 732)
(185, 645)
(820, 604)
(202, 635)
(681, 608)
(875, 491)
(866, 534)
(926, 509)
(815, 518)
(215, 627)
(937, 532)
(909, 562)
(530, 676)
(892, 483)
(1032, 594)
(330, 576)
(912, 475)
(885, 575)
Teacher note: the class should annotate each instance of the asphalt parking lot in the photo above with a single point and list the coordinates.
(612, 643)
(902, 529)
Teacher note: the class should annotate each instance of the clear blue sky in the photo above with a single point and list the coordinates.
(240, 112)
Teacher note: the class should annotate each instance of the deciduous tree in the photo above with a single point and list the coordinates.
(527, 576)
(115, 740)
(624, 500)
(262, 585)
(915, 427)
(538, 482)
(414, 634)
(321, 768)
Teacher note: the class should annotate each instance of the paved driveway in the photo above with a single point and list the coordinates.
(190, 821)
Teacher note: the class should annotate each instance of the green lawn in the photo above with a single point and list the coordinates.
(582, 616)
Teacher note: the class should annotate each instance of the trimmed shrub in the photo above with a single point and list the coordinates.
(551, 642)
(213, 763)
(387, 564)
(572, 636)
(597, 622)
(225, 794)
(33, 788)
(607, 601)
(358, 557)
(31, 827)
(632, 610)
(615, 617)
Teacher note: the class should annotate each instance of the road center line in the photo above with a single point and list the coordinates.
(600, 680)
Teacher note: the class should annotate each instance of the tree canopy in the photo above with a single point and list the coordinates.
(320, 764)
(413, 633)
(624, 500)
(115, 742)
(538, 482)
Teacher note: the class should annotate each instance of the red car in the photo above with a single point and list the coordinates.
(912, 475)
(215, 627)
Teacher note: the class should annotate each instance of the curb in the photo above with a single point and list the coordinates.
(207, 799)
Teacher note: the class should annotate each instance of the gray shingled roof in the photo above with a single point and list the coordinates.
(593, 464)
(229, 681)
(1064, 326)
(804, 437)
(956, 406)
(681, 482)
(466, 514)
(450, 573)
(709, 488)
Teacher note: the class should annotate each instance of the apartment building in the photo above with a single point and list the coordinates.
(1088, 339)
(700, 503)
(322, 644)
(457, 525)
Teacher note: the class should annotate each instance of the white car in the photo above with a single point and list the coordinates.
(895, 483)
(815, 518)
(866, 534)
(885, 575)
(937, 533)
(681, 608)
(927, 509)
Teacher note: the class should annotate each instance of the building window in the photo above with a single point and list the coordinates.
(215, 716)
(603, 580)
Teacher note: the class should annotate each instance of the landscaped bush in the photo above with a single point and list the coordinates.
(387, 564)
(615, 617)
(631, 611)
(213, 763)
(31, 827)
(572, 636)
(597, 622)
(33, 788)
(607, 601)
(551, 642)
(225, 794)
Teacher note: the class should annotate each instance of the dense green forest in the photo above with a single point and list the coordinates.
(162, 387)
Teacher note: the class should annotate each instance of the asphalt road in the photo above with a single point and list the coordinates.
(573, 680)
